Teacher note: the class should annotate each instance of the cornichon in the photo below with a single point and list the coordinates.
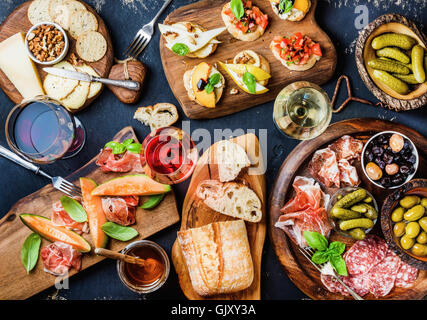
(393, 53)
(357, 233)
(364, 223)
(368, 199)
(392, 82)
(393, 39)
(368, 210)
(344, 214)
(417, 56)
(351, 198)
(390, 66)
(408, 78)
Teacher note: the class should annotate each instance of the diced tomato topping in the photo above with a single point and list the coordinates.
(252, 18)
(316, 50)
(297, 49)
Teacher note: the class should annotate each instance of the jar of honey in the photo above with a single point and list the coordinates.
(149, 277)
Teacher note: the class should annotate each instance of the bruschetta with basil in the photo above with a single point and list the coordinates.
(292, 10)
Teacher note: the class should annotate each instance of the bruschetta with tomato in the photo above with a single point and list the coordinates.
(243, 20)
(297, 52)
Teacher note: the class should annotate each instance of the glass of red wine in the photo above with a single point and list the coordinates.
(43, 131)
(170, 154)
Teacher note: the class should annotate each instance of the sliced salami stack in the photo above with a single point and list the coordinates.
(373, 268)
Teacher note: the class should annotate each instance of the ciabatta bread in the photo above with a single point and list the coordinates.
(231, 159)
(230, 198)
(158, 116)
(218, 257)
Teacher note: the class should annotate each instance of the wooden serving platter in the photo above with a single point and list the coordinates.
(300, 270)
(207, 13)
(17, 21)
(196, 214)
(14, 281)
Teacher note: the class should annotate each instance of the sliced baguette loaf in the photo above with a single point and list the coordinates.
(231, 198)
(231, 159)
(158, 116)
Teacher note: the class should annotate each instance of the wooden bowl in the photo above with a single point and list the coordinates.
(417, 187)
(364, 52)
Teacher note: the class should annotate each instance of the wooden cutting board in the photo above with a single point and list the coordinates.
(196, 214)
(14, 281)
(207, 13)
(17, 21)
(300, 270)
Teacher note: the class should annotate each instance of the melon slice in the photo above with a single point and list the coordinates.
(131, 185)
(95, 213)
(45, 228)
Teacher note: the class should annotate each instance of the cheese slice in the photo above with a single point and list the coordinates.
(19, 68)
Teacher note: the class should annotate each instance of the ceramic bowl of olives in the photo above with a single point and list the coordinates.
(389, 159)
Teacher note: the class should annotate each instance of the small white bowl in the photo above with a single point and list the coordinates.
(64, 52)
(415, 152)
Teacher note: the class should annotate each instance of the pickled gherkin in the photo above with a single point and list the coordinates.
(389, 66)
(393, 39)
(357, 233)
(417, 57)
(344, 214)
(393, 53)
(351, 198)
(408, 78)
(364, 223)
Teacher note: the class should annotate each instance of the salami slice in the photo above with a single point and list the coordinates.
(406, 275)
(383, 275)
(358, 284)
(333, 285)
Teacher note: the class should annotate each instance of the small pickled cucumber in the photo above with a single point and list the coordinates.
(367, 199)
(399, 229)
(389, 66)
(367, 209)
(352, 198)
(359, 208)
(392, 82)
(423, 223)
(424, 202)
(419, 250)
(422, 237)
(344, 214)
(408, 78)
(357, 233)
(393, 39)
(409, 201)
(364, 223)
(397, 214)
(412, 229)
(339, 197)
(406, 242)
(393, 53)
(417, 56)
(415, 213)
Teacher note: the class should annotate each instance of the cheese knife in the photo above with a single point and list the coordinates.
(81, 76)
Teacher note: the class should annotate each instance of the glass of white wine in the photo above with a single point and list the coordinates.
(302, 110)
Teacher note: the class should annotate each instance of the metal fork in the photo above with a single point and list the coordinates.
(308, 253)
(144, 35)
(58, 183)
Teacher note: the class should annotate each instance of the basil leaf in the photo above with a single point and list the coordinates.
(286, 5)
(214, 79)
(337, 247)
(134, 147)
(111, 144)
(118, 148)
(30, 251)
(152, 201)
(180, 49)
(127, 142)
(316, 240)
(320, 257)
(338, 263)
(74, 209)
(119, 232)
(209, 88)
(236, 7)
(250, 81)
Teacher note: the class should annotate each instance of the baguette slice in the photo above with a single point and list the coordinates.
(231, 198)
(218, 257)
(231, 159)
(158, 116)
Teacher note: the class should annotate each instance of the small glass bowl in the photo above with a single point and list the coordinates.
(64, 51)
(151, 287)
(343, 192)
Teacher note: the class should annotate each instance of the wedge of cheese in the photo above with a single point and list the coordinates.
(19, 68)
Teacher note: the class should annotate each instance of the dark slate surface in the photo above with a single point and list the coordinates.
(107, 116)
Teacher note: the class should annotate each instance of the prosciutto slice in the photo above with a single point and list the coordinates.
(348, 173)
(121, 210)
(324, 167)
(347, 148)
(61, 218)
(58, 258)
(305, 212)
(125, 162)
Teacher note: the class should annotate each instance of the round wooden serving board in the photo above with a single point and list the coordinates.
(300, 270)
(196, 214)
(207, 13)
(17, 21)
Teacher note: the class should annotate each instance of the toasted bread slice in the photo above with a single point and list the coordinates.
(251, 57)
(158, 116)
(95, 87)
(231, 159)
(297, 13)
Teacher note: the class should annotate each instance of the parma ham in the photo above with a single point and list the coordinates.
(61, 218)
(125, 162)
(58, 258)
(121, 210)
(347, 148)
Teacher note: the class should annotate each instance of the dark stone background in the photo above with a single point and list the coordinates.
(107, 116)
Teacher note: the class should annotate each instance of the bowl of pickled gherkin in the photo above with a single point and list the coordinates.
(353, 212)
(404, 222)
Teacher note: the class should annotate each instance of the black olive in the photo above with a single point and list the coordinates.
(398, 180)
(411, 170)
(378, 151)
(406, 145)
(381, 139)
(412, 159)
(388, 157)
(369, 157)
(380, 163)
(385, 182)
(404, 169)
(201, 84)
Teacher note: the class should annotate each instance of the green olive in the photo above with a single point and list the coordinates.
(399, 229)
(357, 233)
(419, 250)
(414, 213)
(423, 223)
(397, 214)
(412, 229)
(422, 237)
(409, 201)
(406, 242)
(424, 202)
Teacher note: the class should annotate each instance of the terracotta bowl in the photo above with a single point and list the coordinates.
(413, 187)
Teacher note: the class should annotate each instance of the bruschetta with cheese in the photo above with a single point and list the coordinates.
(243, 20)
(297, 52)
(292, 10)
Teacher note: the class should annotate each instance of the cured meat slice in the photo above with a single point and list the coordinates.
(305, 212)
(333, 285)
(358, 284)
(125, 162)
(58, 258)
(61, 218)
(324, 167)
(348, 173)
(406, 275)
(347, 148)
(120, 210)
(383, 275)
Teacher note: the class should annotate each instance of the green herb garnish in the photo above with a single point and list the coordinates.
(286, 5)
(212, 82)
(74, 209)
(250, 81)
(332, 252)
(236, 7)
(119, 232)
(180, 49)
(119, 148)
(30, 251)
